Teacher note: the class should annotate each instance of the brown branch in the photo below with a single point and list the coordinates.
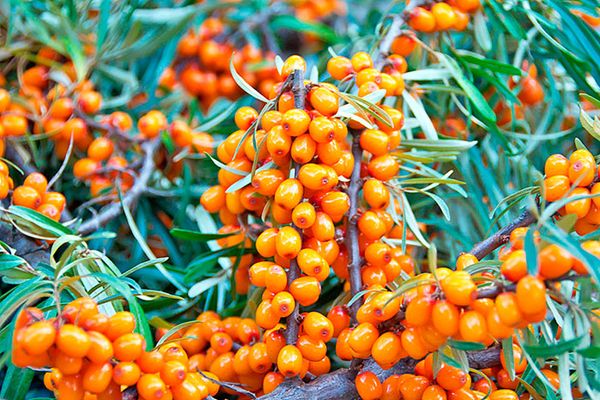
(501, 237)
(293, 321)
(12, 155)
(352, 234)
(130, 197)
(340, 383)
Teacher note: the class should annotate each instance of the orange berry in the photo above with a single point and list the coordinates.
(101, 349)
(126, 373)
(451, 378)
(213, 199)
(289, 361)
(151, 387)
(556, 164)
(531, 295)
(384, 167)
(508, 310)
(90, 101)
(339, 67)
(97, 377)
(26, 196)
(360, 61)
(306, 290)
(556, 187)
(292, 63)
(324, 100)
(579, 207)
(38, 337)
(129, 347)
(459, 288)
(368, 386)
(445, 317)
(245, 117)
(582, 172)
(119, 324)
(444, 16)
(73, 341)
(13, 125)
(422, 20)
(387, 350)
(56, 199)
(150, 362)
(554, 261)
(514, 266)
(317, 326)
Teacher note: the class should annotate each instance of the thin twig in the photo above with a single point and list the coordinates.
(112, 211)
(501, 237)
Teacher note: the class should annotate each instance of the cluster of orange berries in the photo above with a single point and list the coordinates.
(314, 10)
(449, 382)
(95, 357)
(34, 194)
(49, 106)
(234, 350)
(204, 57)
(369, 79)
(443, 16)
(576, 176)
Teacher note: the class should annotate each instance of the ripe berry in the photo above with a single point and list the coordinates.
(368, 386)
(73, 341)
(289, 361)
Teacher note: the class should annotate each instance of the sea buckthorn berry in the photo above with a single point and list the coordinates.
(371, 225)
(97, 377)
(173, 373)
(221, 342)
(129, 347)
(360, 61)
(374, 141)
(259, 359)
(324, 100)
(84, 168)
(289, 193)
(304, 215)
(283, 304)
(556, 187)
(265, 242)
(464, 260)
(445, 317)
(362, 338)
(36, 181)
(335, 204)
(519, 359)
(368, 386)
(303, 149)
(90, 101)
(38, 337)
(556, 164)
(271, 380)
(503, 394)
(288, 242)
(582, 172)
(151, 387)
(554, 261)
(56, 199)
(318, 327)
(384, 167)
(270, 119)
(387, 350)
(451, 378)
(418, 312)
(579, 207)
(181, 133)
(339, 67)
(515, 266)
(306, 290)
(459, 288)
(376, 194)
(444, 15)
(295, 122)
(26, 196)
(266, 182)
(531, 295)
(378, 253)
(314, 176)
(323, 229)
(73, 341)
(292, 63)
(434, 392)
(473, 327)
(101, 349)
(289, 361)
(100, 149)
(340, 318)
(403, 45)
(119, 324)
(126, 373)
(275, 279)
(321, 130)
(508, 310)
(13, 125)
(413, 344)
(213, 199)
(244, 117)
(422, 20)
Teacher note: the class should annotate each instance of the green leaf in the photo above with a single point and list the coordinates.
(553, 349)
(416, 107)
(16, 383)
(199, 236)
(474, 95)
(245, 86)
(482, 34)
(531, 253)
(509, 358)
(291, 22)
(466, 346)
(10, 261)
(487, 63)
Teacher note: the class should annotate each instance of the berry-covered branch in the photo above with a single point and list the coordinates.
(112, 211)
